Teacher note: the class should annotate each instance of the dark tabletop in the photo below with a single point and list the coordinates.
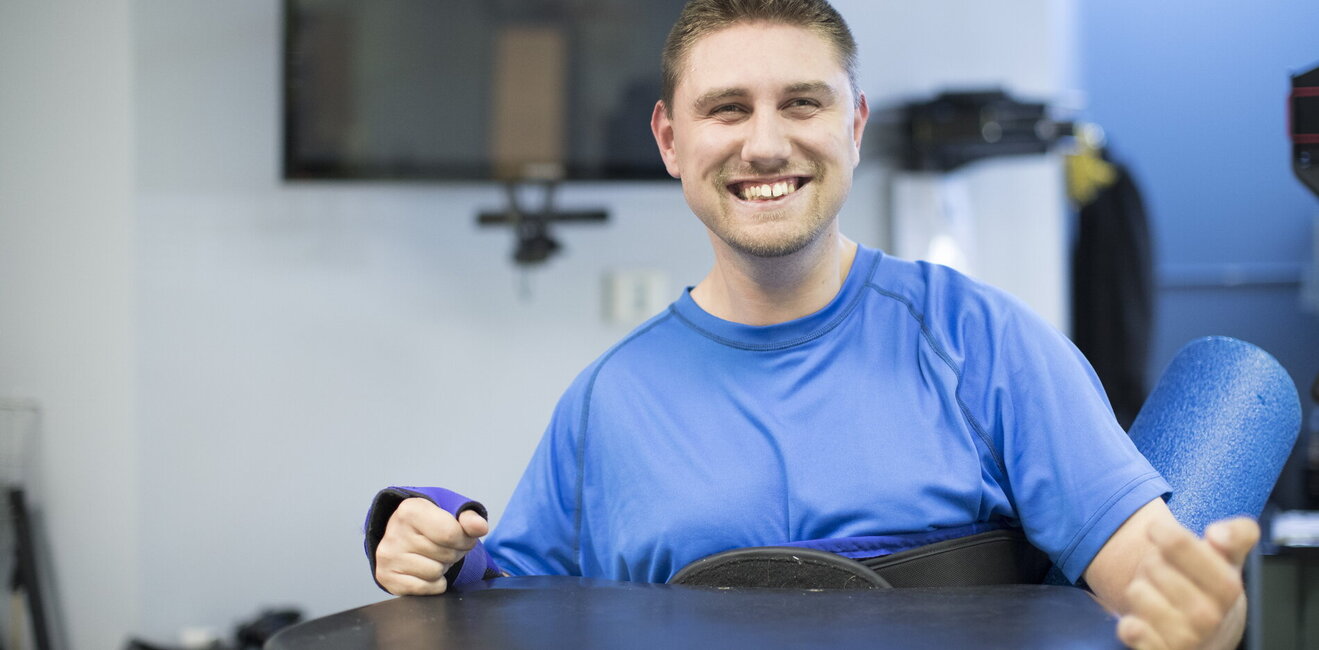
(560, 612)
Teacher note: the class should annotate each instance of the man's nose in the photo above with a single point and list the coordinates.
(767, 144)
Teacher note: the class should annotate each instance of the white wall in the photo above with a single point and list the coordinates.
(915, 49)
(66, 296)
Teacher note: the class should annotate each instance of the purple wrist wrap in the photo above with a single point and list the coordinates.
(477, 565)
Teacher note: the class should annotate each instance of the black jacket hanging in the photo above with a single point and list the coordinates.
(1113, 292)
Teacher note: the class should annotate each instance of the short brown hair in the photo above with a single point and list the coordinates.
(700, 18)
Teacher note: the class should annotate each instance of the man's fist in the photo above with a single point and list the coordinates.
(421, 543)
(1188, 594)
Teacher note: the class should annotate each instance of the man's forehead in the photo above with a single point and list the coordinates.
(760, 55)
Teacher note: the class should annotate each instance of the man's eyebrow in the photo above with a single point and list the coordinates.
(719, 95)
(812, 88)
(800, 88)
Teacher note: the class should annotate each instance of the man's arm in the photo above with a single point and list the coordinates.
(1173, 589)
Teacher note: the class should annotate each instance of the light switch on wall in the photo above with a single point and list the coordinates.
(633, 295)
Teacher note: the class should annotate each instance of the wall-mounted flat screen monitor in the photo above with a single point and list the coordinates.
(472, 89)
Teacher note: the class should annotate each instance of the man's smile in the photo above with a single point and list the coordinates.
(770, 189)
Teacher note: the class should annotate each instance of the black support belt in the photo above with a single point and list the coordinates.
(992, 558)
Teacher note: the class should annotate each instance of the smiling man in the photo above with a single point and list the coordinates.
(810, 390)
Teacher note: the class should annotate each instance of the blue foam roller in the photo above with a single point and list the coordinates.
(1219, 426)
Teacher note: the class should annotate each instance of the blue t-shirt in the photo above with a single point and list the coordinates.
(917, 401)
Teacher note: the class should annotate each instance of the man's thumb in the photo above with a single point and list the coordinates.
(1233, 538)
(474, 525)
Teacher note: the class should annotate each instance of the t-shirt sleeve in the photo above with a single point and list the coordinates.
(538, 531)
(1073, 474)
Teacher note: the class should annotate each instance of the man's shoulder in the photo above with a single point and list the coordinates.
(639, 348)
(942, 297)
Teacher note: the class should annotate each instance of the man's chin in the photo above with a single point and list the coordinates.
(768, 245)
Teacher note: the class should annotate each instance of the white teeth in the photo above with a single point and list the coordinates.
(768, 190)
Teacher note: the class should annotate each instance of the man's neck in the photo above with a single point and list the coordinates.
(766, 291)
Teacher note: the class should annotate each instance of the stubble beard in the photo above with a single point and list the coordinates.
(776, 233)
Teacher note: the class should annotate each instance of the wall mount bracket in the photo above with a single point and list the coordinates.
(535, 244)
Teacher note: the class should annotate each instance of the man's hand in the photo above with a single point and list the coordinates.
(1186, 591)
(421, 542)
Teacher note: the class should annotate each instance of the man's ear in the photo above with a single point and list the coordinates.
(662, 127)
(859, 119)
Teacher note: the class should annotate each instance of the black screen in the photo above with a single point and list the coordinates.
(1305, 115)
(409, 89)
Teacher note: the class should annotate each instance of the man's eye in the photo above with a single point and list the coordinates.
(803, 103)
(728, 108)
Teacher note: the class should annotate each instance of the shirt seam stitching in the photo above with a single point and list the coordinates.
(938, 349)
(581, 435)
